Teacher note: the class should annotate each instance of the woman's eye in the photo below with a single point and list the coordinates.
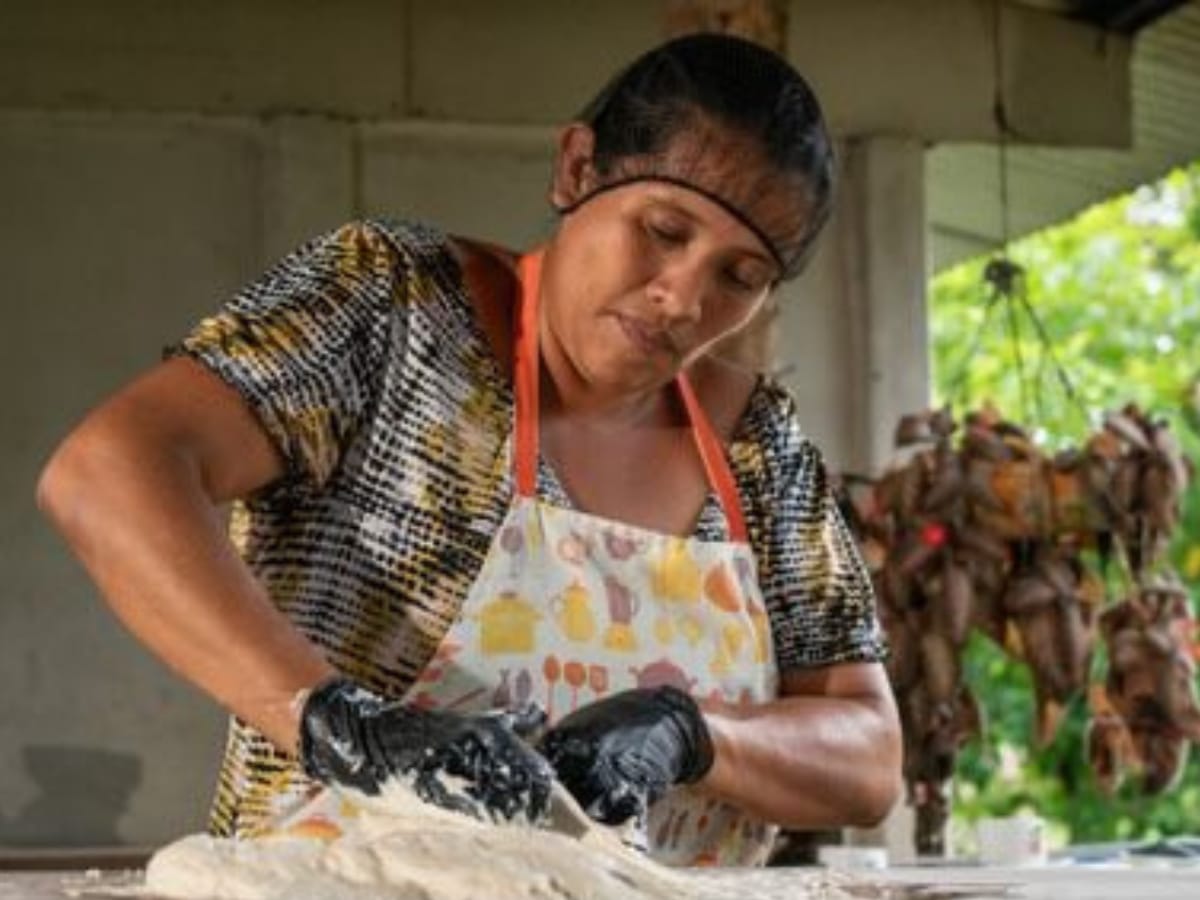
(667, 234)
(742, 283)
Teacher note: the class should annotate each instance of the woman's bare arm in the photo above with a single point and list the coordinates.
(827, 753)
(135, 489)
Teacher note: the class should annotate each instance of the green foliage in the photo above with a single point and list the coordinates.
(1118, 292)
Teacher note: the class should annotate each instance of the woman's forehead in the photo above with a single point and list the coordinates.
(730, 169)
(696, 206)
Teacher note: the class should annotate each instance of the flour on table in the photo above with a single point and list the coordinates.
(404, 849)
(400, 847)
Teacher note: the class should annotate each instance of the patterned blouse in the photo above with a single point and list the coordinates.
(361, 357)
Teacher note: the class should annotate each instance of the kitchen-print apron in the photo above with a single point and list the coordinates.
(569, 608)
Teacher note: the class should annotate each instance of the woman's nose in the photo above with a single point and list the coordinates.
(678, 292)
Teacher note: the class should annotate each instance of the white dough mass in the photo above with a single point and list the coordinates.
(408, 849)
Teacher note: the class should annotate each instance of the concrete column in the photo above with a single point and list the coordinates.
(882, 260)
(884, 274)
(853, 334)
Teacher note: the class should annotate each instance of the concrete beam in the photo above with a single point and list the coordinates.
(916, 68)
(926, 69)
(339, 57)
(761, 21)
(521, 61)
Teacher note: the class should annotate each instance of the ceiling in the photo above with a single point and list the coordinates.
(1049, 185)
(1124, 16)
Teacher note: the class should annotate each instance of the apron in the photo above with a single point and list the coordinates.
(570, 607)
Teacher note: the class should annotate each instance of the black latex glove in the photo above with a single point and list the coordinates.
(620, 754)
(350, 736)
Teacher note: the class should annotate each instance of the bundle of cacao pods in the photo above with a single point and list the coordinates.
(987, 533)
(1139, 473)
(1146, 712)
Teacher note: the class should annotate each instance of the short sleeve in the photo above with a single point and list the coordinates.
(816, 588)
(306, 344)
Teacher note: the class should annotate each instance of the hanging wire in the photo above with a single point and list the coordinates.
(1048, 351)
(1007, 278)
(1004, 277)
(958, 383)
(1001, 274)
(1014, 338)
(1000, 119)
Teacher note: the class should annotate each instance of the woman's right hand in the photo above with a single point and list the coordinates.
(351, 737)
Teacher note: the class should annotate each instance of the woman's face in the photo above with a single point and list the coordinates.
(641, 279)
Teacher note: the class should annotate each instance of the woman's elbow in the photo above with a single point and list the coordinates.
(58, 485)
(77, 477)
(883, 783)
(53, 483)
(877, 800)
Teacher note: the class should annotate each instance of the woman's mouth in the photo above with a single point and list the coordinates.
(651, 341)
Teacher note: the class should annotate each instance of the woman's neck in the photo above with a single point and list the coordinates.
(590, 408)
(567, 395)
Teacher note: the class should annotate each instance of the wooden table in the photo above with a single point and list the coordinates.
(1061, 882)
(917, 883)
(60, 885)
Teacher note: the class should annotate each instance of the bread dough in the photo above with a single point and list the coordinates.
(403, 848)
(399, 847)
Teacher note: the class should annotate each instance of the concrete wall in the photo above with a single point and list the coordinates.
(155, 156)
(116, 232)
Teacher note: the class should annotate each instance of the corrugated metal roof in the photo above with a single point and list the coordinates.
(1049, 185)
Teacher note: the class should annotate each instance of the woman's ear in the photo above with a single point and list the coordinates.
(574, 170)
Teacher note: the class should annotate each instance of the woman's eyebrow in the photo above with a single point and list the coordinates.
(673, 205)
(665, 200)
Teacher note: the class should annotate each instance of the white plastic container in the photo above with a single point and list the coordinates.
(1012, 841)
(843, 857)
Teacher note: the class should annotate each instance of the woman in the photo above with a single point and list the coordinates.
(477, 490)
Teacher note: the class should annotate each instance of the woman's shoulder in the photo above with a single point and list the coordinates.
(410, 248)
(726, 392)
(443, 270)
(386, 263)
(771, 417)
(489, 279)
(767, 445)
(746, 406)
(423, 244)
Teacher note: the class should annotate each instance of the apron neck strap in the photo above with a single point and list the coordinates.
(712, 454)
(525, 377)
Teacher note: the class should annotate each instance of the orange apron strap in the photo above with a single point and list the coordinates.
(712, 454)
(525, 376)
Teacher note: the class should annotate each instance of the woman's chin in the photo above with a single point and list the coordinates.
(630, 380)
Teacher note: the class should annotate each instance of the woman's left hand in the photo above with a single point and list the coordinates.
(619, 755)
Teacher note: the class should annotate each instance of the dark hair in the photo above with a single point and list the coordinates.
(734, 82)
